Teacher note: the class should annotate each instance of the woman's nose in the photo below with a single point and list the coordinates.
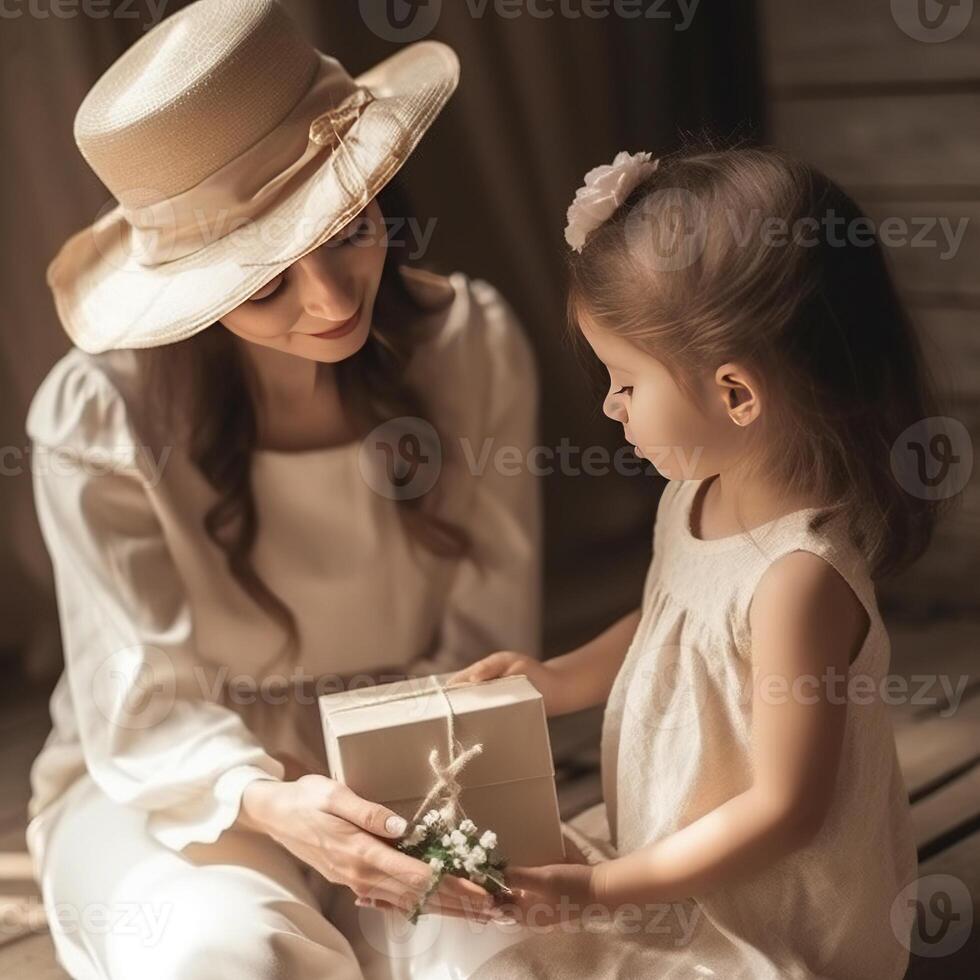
(615, 408)
(329, 291)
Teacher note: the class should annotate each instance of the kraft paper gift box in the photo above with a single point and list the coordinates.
(380, 749)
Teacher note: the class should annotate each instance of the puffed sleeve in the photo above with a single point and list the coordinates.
(494, 599)
(150, 734)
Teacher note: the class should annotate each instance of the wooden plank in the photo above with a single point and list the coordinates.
(927, 257)
(942, 814)
(859, 42)
(939, 747)
(943, 582)
(924, 650)
(913, 141)
(951, 344)
(962, 861)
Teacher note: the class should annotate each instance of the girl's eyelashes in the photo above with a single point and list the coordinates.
(625, 390)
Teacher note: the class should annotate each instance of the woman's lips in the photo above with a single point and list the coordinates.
(345, 328)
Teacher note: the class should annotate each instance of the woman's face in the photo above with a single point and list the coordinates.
(320, 307)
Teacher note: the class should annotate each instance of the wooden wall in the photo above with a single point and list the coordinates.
(896, 120)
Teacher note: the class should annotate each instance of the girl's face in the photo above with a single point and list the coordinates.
(685, 436)
(320, 307)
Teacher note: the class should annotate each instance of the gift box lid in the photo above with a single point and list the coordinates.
(380, 748)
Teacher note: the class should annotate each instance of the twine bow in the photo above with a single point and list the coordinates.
(328, 129)
(446, 786)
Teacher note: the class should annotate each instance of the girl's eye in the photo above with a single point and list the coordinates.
(625, 390)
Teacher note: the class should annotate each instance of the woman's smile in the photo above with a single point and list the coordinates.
(345, 328)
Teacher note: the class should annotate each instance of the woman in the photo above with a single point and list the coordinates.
(257, 474)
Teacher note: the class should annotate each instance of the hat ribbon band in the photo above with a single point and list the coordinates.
(250, 184)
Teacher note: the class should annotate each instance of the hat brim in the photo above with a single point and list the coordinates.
(106, 299)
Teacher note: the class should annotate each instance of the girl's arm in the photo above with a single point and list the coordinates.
(586, 674)
(806, 623)
(574, 681)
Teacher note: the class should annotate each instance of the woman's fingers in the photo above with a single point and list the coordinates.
(376, 819)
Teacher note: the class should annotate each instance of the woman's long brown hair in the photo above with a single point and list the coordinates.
(202, 388)
(819, 320)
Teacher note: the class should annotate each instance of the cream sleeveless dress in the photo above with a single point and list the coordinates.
(676, 744)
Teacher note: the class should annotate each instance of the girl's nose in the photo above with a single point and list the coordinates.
(614, 407)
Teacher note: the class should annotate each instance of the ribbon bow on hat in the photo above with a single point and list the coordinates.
(328, 129)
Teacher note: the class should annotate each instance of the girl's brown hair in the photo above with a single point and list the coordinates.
(747, 254)
(203, 389)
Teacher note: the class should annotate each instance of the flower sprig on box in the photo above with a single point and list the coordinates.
(459, 850)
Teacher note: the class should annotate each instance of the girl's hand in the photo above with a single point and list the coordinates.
(349, 841)
(505, 663)
(548, 895)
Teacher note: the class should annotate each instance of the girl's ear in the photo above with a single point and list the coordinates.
(740, 393)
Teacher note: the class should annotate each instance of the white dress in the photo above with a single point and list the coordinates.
(676, 744)
(159, 722)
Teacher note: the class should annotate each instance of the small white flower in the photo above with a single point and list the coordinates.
(478, 854)
(458, 837)
(457, 863)
(467, 826)
(605, 188)
(435, 863)
(431, 818)
(416, 836)
(445, 840)
(488, 840)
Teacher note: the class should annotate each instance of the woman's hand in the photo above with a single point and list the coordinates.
(348, 840)
(505, 663)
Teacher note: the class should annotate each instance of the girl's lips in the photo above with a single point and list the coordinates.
(341, 331)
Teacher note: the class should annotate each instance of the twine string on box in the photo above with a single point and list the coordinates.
(446, 785)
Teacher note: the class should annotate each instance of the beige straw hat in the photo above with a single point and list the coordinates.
(232, 147)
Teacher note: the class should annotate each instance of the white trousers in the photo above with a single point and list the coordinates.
(122, 906)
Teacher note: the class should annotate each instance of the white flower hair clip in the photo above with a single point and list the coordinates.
(605, 188)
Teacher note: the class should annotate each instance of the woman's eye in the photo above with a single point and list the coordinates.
(268, 296)
(625, 390)
(356, 233)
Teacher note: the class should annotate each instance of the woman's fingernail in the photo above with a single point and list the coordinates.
(396, 825)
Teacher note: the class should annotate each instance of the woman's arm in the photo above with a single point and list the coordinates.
(805, 622)
(152, 736)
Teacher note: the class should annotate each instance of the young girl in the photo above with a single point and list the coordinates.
(758, 825)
